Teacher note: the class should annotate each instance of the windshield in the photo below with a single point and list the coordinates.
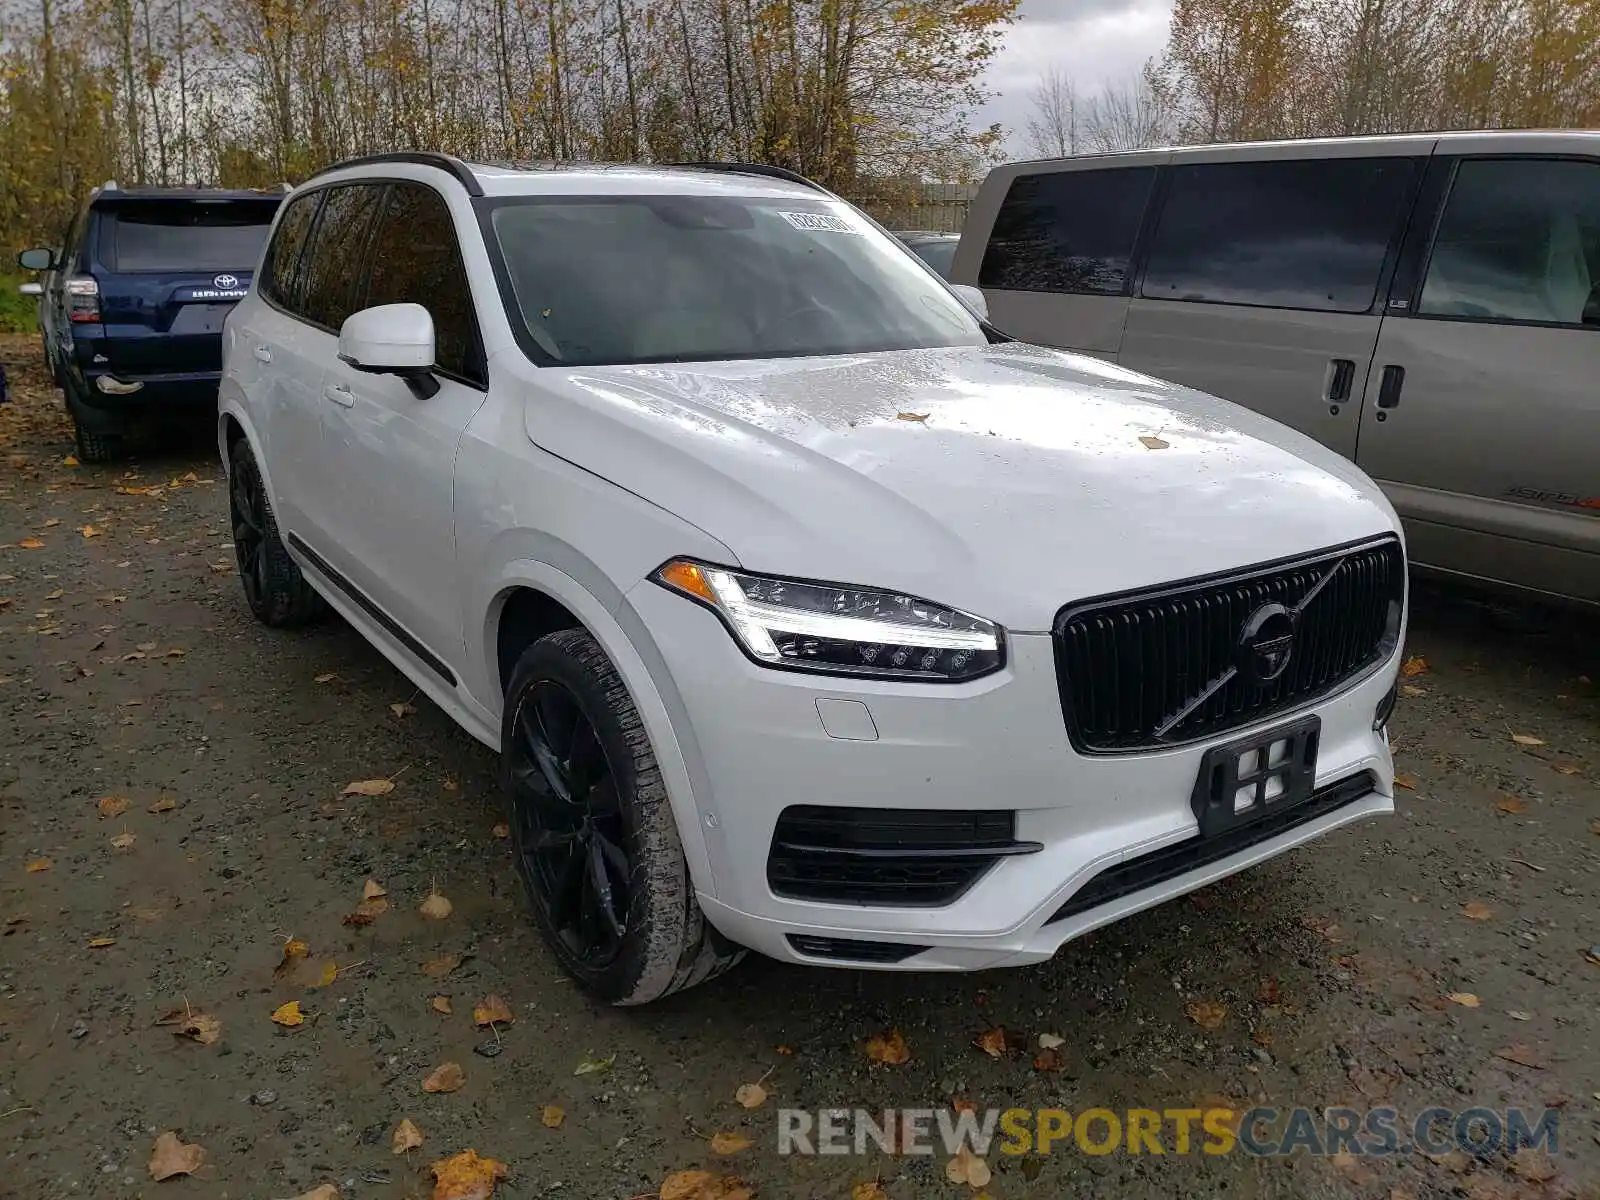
(635, 279)
(188, 235)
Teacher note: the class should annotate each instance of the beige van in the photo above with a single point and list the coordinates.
(1428, 305)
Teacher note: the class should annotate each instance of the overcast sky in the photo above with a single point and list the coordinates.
(1095, 41)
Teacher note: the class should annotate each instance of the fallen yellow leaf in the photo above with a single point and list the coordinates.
(750, 1095)
(288, 1014)
(702, 1185)
(325, 677)
(1414, 666)
(293, 951)
(406, 1136)
(1405, 781)
(436, 907)
(1150, 442)
(1512, 804)
(729, 1143)
(966, 1167)
(446, 1077)
(552, 1116)
(372, 889)
(367, 911)
(1473, 910)
(201, 1027)
(870, 1190)
(164, 804)
(1464, 999)
(100, 943)
(124, 841)
(1412, 691)
(889, 1049)
(89, 531)
(112, 806)
(441, 965)
(501, 830)
(31, 543)
(368, 787)
(992, 1042)
(402, 709)
(323, 1191)
(465, 1176)
(40, 864)
(170, 1157)
(1526, 739)
(441, 1004)
(1207, 1014)
(70, 460)
(492, 1011)
(920, 418)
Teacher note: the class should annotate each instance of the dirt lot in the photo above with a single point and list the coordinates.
(1353, 972)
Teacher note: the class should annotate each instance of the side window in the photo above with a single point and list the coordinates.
(415, 259)
(1298, 233)
(1519, 241)
(282, 270)
(1067, 231)
(332, 263)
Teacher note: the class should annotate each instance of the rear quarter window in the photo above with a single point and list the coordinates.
(184, 235)
(1067, 231)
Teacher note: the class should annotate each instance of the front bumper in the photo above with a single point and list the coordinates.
(760, 746)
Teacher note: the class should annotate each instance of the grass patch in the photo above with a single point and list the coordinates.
(18, 313)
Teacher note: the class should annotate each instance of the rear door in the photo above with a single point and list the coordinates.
(1265, 273)
(169, 271)
(1485, 430)
(1052, 245)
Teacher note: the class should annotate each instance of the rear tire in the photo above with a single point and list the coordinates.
(596, 842)
(94, 446)
(276, 591)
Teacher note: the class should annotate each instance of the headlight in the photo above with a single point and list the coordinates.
(842, 630)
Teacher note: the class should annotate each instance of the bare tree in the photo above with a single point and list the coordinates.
(1053, 128)
(1126, 116)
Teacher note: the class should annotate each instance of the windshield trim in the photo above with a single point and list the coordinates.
(485, 208)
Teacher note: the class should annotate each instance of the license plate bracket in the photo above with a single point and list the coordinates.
(1250, 777)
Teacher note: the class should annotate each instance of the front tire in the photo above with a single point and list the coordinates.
(274, 588)
(595, 839)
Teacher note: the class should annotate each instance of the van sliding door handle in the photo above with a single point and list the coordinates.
(1394, 379)
(1341, 376)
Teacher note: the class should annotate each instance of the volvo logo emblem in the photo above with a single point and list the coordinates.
(226, 282)
(1266, 643)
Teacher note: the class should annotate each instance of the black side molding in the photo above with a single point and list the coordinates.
(396, 630)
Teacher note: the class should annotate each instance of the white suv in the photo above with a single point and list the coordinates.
(809, 612)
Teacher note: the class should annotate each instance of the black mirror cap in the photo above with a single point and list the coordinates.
(37, 259)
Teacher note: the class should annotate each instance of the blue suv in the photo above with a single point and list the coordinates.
(133, 304)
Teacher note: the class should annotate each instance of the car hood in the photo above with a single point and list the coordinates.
(1004, 480)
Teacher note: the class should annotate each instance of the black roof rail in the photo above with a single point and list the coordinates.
(744, 168)
(422, 158)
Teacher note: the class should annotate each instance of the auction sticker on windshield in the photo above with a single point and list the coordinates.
(818, 222)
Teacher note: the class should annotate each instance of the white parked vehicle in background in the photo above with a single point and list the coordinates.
(809, 613)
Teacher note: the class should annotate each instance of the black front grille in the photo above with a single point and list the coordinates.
(1158, 866)
(1166, 667)
(852, 949)
(886, 856)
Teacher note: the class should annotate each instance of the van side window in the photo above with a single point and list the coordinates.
(416, 259)
(333, 274)
(282, 269)
(1067, 231)
(1298, 233)
(1519, 241)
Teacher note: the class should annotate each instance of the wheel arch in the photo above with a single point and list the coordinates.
(536, 598)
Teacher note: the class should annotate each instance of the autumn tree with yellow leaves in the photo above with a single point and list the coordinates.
(256, 92)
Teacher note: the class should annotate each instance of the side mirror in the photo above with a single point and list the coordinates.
(31, 289)
(392, 339)
(37, 259)
(977, 303)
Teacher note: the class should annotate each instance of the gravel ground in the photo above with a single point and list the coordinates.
(1350, 973)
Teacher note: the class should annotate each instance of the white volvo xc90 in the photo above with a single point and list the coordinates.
(808, 612)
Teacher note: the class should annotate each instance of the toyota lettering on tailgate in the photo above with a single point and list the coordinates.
(223, 287)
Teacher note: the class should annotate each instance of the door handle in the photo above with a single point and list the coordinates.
(1394, 378)
(1341, 375)
(262, 353)
(340, 395)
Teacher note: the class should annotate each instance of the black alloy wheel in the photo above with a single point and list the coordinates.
(569, 830)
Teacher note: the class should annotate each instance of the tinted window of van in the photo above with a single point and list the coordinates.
(1067, 231)
(1519, 241)
(416, 260)
(1303, 233)
(332, 263)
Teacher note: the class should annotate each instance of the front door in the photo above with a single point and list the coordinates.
(1483, 417)
(1265, 273)
(392, 453)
